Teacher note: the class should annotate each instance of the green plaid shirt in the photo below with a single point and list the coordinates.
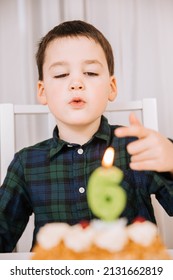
(50, 179)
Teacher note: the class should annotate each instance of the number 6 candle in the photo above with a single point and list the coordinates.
(106, 198)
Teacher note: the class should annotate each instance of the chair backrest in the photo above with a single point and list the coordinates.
(146, 109)
(8, 113)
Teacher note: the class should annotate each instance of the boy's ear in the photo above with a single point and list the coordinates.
(113, 89)
(41, 96)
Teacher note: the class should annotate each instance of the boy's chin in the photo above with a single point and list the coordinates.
(83, 121)
(79, 123)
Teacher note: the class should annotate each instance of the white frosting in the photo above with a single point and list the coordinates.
(51, 234)
(79, 239)
(112, 236)
(112, 240)
(100, 225)
(142, 233)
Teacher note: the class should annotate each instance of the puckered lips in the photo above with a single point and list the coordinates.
(77, 102)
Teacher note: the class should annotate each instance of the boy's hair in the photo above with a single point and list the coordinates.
(74, 28)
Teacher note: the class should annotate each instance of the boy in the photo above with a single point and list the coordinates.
(76, 80)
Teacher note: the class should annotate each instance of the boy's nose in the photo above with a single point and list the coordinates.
(76, 85)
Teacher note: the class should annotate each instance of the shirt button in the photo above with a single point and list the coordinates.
(81, 190)
(80, 151)
(69, 145)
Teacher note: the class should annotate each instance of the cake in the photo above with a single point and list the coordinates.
(100, 240)
(107, 237)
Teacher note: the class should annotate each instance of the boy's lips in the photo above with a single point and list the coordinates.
(77, 102)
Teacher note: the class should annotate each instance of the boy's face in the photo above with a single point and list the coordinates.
(76, 81)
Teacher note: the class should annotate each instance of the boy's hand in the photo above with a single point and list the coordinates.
(151, 151)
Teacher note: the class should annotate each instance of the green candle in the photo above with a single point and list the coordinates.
(106, 198)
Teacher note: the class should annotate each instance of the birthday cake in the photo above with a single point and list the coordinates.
(107, 237)
(100, 241)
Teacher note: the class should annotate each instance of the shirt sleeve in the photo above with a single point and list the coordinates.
(162, 187)
(15, 206)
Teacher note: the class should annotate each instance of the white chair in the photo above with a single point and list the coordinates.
(146, 110)
(8, 112)
(117, 113)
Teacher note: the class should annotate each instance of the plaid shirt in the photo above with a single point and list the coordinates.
(50, 179)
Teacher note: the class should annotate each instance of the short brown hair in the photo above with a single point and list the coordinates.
(73, 29)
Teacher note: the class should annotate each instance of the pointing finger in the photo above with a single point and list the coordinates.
(133, 119)
(136, 129)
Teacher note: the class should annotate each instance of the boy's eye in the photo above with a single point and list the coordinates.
(91, 74)
(61, 75)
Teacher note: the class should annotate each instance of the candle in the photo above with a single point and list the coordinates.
(106, 198)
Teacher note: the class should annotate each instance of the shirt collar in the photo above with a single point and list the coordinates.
(103, 133)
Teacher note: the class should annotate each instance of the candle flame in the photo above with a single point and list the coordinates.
(108, 157)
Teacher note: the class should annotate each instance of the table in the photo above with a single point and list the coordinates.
(15, 256)
(27, 255)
